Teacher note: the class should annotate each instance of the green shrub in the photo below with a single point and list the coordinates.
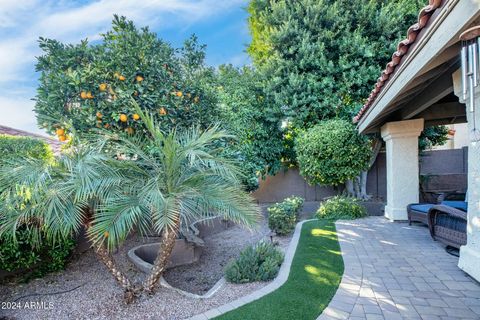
(34, 261)
(22, 255)
(332, 152)
(283, 216)
(341, 208)
(260, 262)
(14, 147)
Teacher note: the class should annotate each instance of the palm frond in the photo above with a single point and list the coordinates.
(115, 219)
(119, 183)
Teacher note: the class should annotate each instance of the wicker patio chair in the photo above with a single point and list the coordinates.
(448, 225)
(417, 212)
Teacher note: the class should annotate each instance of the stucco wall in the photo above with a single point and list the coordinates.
(445, 169)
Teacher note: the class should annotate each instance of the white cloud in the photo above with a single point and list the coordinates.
(18, 113)
(12, 10)
(240, 60)
(23, 21)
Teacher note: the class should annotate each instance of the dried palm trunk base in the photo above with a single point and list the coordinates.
(160, 264)
(130, 293)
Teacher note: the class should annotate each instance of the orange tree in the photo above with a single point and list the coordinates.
(90, 85)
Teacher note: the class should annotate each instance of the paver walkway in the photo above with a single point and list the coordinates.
(394, 271)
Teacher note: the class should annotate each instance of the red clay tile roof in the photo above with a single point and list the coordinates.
(402, 49)
(56, 145)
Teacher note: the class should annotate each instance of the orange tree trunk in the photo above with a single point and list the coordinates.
(164, 252)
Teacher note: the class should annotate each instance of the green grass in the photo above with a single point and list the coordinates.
(316, 272)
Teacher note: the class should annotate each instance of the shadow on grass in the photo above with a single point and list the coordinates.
(314, 277)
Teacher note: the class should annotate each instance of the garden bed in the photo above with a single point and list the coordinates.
(219, 249)
(99, 296)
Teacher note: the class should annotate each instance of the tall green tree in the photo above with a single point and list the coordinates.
(89, 85)
(256, 122)
(322, 57)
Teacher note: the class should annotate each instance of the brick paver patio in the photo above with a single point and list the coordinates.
(394, 271)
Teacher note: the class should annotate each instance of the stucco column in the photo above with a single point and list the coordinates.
(470, 254)
(401, 140)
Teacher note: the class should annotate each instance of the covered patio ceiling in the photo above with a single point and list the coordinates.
(421, 84)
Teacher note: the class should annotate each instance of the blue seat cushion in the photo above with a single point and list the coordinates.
(461, 205)
(422, 207)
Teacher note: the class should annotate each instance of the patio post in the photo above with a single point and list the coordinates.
(401, 138)
(470, 253)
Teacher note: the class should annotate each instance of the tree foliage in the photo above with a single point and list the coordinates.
(16, 147)
(255, 122)
(90, 85)
(432, 136)
(33, 255)
(85, 87)
(332, 152)
(322, 58)
(158, 181)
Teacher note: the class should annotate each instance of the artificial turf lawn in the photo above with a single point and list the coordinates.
(314, 277)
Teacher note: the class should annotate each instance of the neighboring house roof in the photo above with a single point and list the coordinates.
(402, 50)
(56, 145)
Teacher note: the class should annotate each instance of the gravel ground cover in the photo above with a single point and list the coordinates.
(99, 297)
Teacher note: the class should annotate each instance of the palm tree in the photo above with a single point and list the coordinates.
(62, 197)
(158, 181)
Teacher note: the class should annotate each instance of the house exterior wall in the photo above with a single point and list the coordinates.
(470, 253)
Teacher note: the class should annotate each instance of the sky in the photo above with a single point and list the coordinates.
(220, 24)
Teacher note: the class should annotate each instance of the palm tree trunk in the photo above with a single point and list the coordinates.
(107, 259)
(103, 255)
(163, 257)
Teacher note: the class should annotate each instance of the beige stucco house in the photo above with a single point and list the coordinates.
(423, 85)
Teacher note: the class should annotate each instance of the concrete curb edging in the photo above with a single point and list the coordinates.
(274, 285)
(218, 285)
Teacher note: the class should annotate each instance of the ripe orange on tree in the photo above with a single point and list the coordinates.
(123, 117)
(83, 95)
(89, 95)
(62, 138)
(139, 78)
(162, 111)
(99, 115)
(136, 117)
(60, 132)
(102, 87)
(121, 78)
(179, 94)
